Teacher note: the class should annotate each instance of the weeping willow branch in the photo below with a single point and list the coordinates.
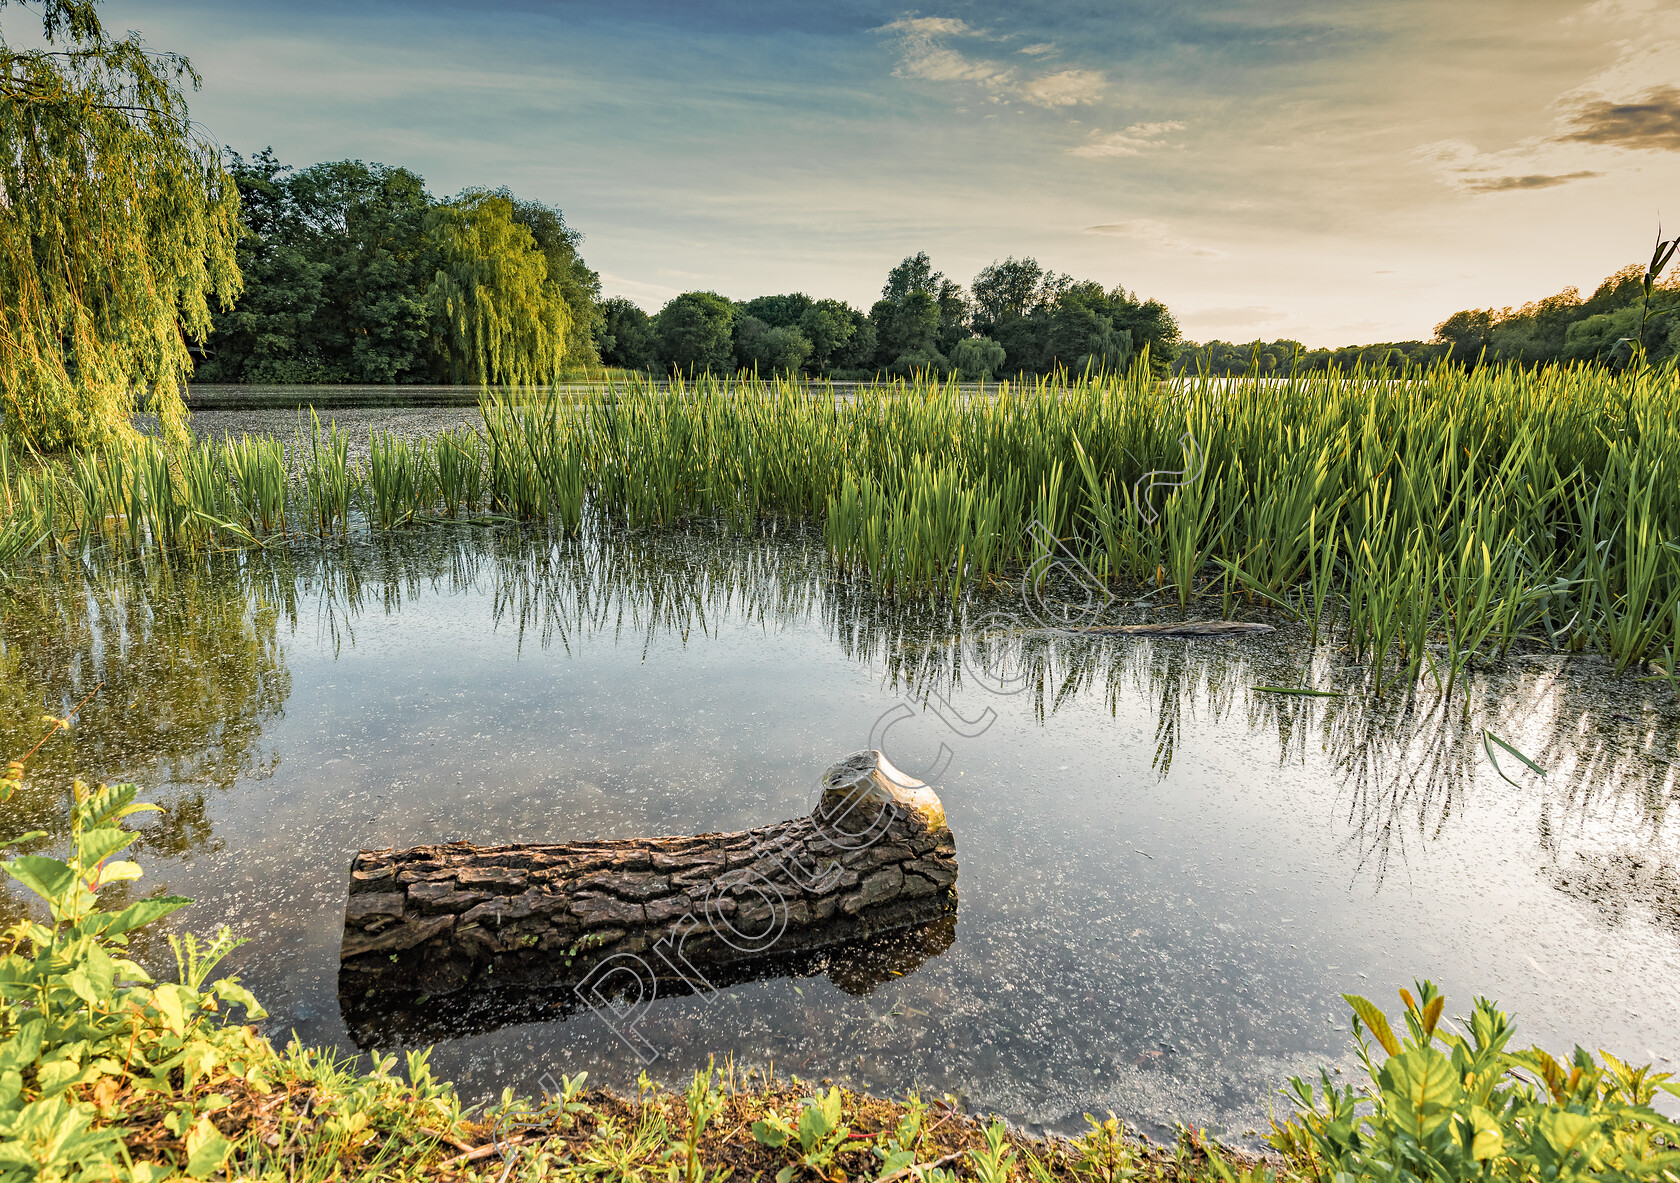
(506, 319)
(117, 227)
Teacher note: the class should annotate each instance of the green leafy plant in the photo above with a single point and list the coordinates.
(813, 1140)
(82, 1024)
(1448, 1106)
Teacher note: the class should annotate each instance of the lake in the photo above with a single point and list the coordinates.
(1168, 876)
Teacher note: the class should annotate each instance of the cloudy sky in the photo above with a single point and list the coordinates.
(1335, 171)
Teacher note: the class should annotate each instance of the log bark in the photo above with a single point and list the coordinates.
(875, 855)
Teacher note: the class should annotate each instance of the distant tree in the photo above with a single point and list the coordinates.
(954, 314)
(976, 359)
(337, 266)
(268, 336)
(578, 283)
(1468, 333)
(694, 333)
(784, 350)
(914, 275)
(1013, 289)
(907, 333)
(367, 223)
(1150, 324)
(858, 353)
(830, 326)
(626, 336)
(504, 319)
(117, 227)
(779, 312)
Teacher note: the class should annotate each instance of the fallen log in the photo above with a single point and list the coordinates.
(874, 855)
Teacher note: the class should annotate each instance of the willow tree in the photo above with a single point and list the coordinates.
(117, 225)
(505, 319)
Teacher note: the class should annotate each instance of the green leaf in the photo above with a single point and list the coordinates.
(95, 846)
(143, 912)
(24, 1047)
(229, 990)
(1420, 1090)
(768, 1134)
(1489, 1141)
(108, 803)
(1489, 739)
(1375, 1020)
(1569, 1133)
(46, 877)
(207, 1150)
(171, 1002)
(118, 872)
(895, 1160)
(59, 1075)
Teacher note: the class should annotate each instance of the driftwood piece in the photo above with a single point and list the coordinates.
(874, 855)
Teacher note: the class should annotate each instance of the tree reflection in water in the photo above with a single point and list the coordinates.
(192, 657)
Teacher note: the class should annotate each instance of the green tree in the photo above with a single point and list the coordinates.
(830, 326)
(767, 349)
(117, 227)
(1082, 336)
(779, 312)
(504, 319)
(269, 334)
(976, 359)
(337, 264)
(907, 333)
(954, 313)
(914, 275)
(695, 334)
(578, 283)
(1468, 333)
(1013, 289)
(626, 335)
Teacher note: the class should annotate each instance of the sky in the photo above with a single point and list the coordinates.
(1330, 171)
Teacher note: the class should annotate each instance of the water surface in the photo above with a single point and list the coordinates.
(1167, 876)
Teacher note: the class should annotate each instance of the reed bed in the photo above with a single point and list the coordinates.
(1425, 520)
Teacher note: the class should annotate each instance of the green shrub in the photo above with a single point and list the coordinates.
(1447, 1107)
(95, 1056)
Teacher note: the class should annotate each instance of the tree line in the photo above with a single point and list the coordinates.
(1017, 317)
(354, 273)
(1629, 313)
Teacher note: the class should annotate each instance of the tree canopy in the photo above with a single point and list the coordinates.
(343, 261)
(117, 229)
(506, 320)
(1019, 319)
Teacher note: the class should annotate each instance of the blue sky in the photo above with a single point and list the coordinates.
(1336, 172)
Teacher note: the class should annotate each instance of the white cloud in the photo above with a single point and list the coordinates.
(925, 54)
(1065, 88)
(1151, 233)
(1131, 142)
(927, 26)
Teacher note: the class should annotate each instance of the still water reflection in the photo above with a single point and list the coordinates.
(1167, 875)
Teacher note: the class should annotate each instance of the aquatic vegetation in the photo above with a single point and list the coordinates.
(1421, 521)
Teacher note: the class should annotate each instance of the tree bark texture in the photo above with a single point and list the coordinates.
(874, 855)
